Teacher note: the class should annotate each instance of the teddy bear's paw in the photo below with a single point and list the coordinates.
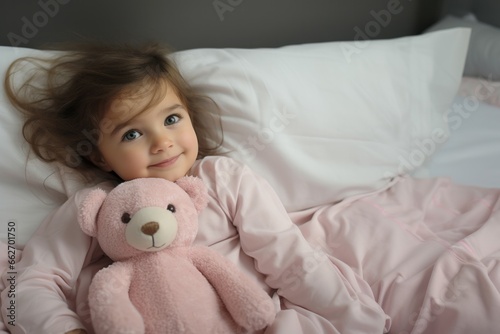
(112, 329)
(260, 316)
(117, 330)
(124, 323)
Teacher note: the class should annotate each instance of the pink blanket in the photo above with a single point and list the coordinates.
(429, 250)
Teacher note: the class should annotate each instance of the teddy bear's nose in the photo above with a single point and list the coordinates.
(150, 228)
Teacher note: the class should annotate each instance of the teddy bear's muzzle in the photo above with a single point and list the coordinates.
(151, 229)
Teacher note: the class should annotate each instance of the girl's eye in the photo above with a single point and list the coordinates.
(131, 135)
(172, 119)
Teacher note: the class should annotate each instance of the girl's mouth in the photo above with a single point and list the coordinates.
(167, 162)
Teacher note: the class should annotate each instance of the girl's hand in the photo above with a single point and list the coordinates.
(77, 331)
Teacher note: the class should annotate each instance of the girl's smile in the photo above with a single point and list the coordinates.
(166, 162)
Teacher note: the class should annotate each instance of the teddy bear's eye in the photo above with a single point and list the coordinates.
(126, 218)
(171, 208)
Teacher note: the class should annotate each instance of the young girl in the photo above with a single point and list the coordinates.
(421, 256)
(122, 113)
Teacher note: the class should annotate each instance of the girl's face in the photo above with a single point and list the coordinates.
(158, 142)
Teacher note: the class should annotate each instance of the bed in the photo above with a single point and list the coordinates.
(423, 78)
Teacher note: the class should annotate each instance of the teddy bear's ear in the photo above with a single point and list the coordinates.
(87, 212)
(196, 189)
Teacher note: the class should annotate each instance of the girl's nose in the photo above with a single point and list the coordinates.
(161, 142)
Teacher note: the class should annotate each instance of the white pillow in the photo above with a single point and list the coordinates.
(483, 58)
(29, 189)
(320, 121)
(326, 121)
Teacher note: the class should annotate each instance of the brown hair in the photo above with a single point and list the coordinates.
(64, 98)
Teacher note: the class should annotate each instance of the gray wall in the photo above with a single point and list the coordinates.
(487, 11)
(186, 24)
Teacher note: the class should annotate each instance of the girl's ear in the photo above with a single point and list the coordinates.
(98, 160)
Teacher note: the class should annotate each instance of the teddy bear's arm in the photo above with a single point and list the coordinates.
(110, 305)
(250, 306)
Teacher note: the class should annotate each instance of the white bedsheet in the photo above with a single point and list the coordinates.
(471, 156)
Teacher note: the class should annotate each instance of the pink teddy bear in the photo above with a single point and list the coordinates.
(160, 282)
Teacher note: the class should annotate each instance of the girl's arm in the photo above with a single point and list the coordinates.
(45, 276)
(305, 277)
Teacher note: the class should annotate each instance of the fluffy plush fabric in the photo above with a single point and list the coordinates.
(160, 283)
